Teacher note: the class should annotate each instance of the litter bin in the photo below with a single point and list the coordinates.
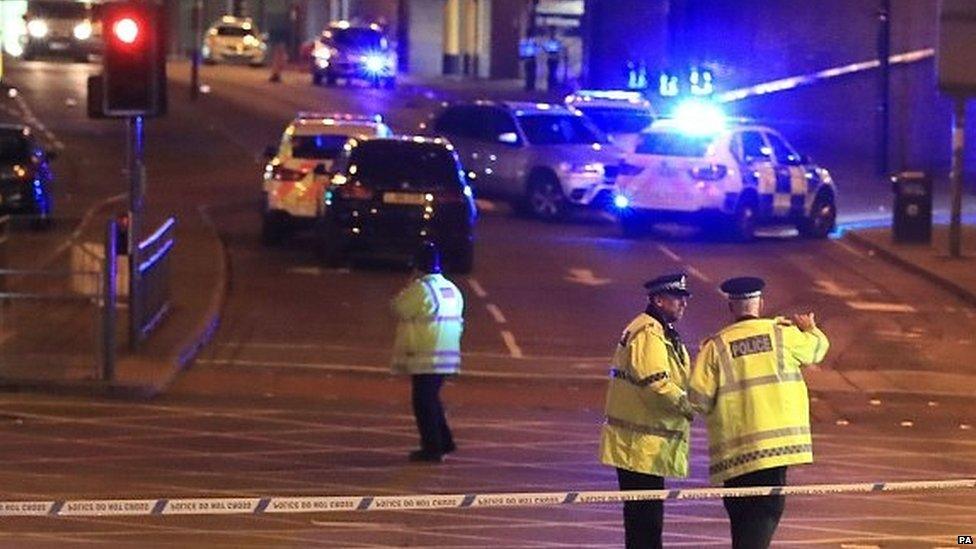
(912, 221)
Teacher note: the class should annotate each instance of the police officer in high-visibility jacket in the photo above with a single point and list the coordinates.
(748, 384)
(648, 414)
(430, 312)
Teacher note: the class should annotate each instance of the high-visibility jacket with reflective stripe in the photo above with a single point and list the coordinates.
(430, 312)
(647, 409)
(747, 382)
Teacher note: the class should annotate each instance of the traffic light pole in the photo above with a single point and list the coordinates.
(137, 176)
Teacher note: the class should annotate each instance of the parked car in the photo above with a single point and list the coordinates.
(25, 175)
(58, 28)
(620, 114)
(545, 159)
(736, 173)
(234, 40)
(390, 194)
(354, 52)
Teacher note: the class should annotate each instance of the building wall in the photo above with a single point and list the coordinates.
(618, 31)
(426, 37)
(507, 27)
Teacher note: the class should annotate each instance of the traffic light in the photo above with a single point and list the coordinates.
(134, 60)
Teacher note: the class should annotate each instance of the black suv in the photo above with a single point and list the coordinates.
(390, 194)
(25, 175)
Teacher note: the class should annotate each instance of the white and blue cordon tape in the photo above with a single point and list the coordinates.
(330, 504)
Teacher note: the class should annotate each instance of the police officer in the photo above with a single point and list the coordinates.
(747, 382)
(648, 413)
(428, 347)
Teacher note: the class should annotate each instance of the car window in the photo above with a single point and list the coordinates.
(13, 148)
(404, 165)
(784, 153)
(614, 120)
(358, 38)
(674, 144)
(317, 146)
(554, 129)
(497, 122)
(754, 147)
(233, 31)
(58, 10)
(460, 121)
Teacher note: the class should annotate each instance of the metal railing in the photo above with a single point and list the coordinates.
(151, 302)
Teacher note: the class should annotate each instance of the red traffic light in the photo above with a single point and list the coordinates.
(126, 29)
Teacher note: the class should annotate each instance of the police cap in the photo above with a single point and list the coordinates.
(671, 284)
(743, 287)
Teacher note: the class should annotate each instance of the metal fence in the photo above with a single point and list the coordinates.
(152, 299)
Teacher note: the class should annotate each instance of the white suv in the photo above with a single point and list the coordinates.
(741, 175)
(299, 167)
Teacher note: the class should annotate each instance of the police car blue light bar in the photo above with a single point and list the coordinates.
(696, 117)
(621, 202)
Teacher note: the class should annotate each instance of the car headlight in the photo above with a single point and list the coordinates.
(375, 63)
(251, 41)
(588, 168)
(37, 28)
(621, 201)
(83, 30)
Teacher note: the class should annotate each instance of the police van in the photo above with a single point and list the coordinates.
(703, 168)
(298, 168)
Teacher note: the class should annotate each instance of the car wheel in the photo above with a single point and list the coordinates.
(545, 198)
(274, 228)
(822, 219)
(462, 261)
(329, 247)
(744, 221)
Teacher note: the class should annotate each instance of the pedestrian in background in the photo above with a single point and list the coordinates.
(429, 312)
(648, 413)
(748, 384)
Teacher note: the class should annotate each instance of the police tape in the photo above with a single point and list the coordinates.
(325, 504)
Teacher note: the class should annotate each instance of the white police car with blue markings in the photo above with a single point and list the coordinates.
(701, 167)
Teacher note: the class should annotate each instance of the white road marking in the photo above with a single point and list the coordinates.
(847, 247)
(893, 334)
(698, 274)
(305, 270)
(478, 289)
(496, 313)
(513, 347)
(486, 205)
(585, 277)
(666, 251)
(831, 288)
(881, 307)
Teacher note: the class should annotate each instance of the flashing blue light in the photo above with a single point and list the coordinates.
(375, 63)
(699, 118)
(621, 201)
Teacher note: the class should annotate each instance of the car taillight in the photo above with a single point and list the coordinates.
(355, 192)
(281, 173)
(711, 172)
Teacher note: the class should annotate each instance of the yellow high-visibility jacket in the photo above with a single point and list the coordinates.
(748, 384)
(430, 318)
(647, 426)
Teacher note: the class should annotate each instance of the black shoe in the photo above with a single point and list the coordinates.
(449, 448)
(425, 456)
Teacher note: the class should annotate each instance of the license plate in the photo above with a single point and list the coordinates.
(59, 45)
(414, 199)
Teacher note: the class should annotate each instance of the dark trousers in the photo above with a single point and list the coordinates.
(643, 520)
(435, 435)
(754, 519)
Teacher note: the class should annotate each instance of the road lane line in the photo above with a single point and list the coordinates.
(496, 313)
(513, 347)
(881, 307)
(666, 251)
(847, 247)
(478, 289)
(698, 274)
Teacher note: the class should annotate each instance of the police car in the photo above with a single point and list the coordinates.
(620, 114)
(234, 39)
(700, 166)
(299, 166)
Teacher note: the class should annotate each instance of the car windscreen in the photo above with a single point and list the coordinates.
(674, 144)
(556, 129)
(317, 146)
(614, 120)
(404, 166)
(234, 31)
(13, 147)
(359, 39)
(58, 10)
